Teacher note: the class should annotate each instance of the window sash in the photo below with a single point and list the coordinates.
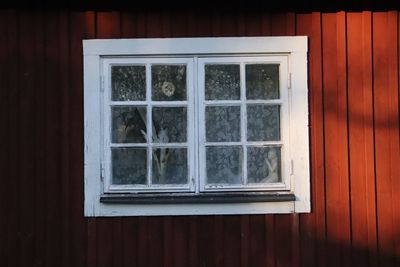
(282, 61)
(149, 104)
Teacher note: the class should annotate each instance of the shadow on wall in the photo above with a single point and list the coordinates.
(254, 240)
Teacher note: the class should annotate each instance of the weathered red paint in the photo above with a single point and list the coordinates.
(354, 137)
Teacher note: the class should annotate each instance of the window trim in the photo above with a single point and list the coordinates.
(294, 47)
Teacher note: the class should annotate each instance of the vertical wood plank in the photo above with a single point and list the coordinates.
(265, 21)
(104, 239)
(231, 240)
(257, 240)
(26, 138)
(168, 242)
(218, 240)
(129, 241)
(396, 187)
(4, 147)
(11, 34)
(270, 252)
(336, 147)
(156, 242)
(128, 25)
(244, 243)
(180, 230)
(108, 24)
(153, 24)
(203, 23)
(205, 241)
(361, 143)
(179, 23)
(253, 23)
(318, 138)
(40, 115)
(386, 121)
(81, 26)
(394, 121)
(118, 242)
(142, 241)
(227, 23)
(52, 134)
(193, 241)
(283, 225)
(64, 137)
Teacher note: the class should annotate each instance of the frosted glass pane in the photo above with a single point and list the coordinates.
(128, 83)
(168, 82)
(128, 124)
(263, 123)
(222, 82)
(170, 124)
(224, 165)
(223, 124)
(129, 165)
(263, 164)
(170, 166)
(262, 81)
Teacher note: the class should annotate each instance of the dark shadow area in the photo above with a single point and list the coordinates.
(249, 5)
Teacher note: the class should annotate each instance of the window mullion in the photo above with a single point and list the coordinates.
(243, 121)
(196, 108)
(149, 124)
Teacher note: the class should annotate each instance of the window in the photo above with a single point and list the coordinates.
(196, 126)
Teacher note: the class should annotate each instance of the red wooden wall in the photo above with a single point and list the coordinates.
(354, 127)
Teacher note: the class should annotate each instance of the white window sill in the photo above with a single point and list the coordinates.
(189, 198)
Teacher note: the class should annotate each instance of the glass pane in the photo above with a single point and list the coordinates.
(263, 164)
(262, 81)
(170, 166)
(170, 125)
(222, 82)
(128, 124)
(224, 165)
(168, 82)
(223, 124)
(128, 83)
(129, 165)
(263, 123)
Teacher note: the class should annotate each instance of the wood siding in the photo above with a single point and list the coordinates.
(354, 134)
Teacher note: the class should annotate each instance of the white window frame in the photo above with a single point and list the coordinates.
(292, 50)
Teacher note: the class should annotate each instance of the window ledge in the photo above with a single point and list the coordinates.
(196, 198)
